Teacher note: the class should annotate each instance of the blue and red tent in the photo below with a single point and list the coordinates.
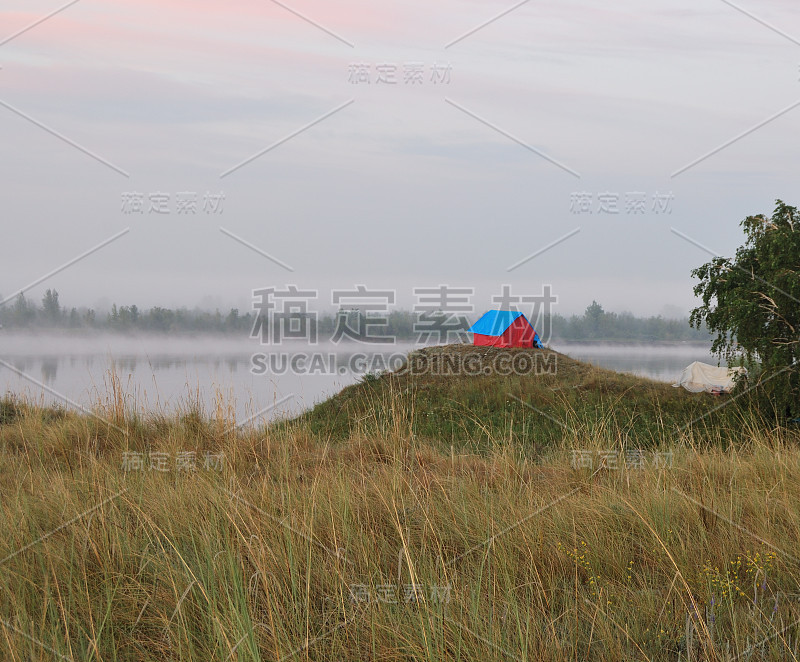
(504, 328)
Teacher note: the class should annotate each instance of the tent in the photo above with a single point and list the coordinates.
(698, 377)
(504, 328)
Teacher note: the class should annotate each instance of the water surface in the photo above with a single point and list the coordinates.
(167, 373)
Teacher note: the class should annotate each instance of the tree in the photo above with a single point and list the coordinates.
(233, 320)
(593, 318)
(594, 312)
(51, 307)
(22, 313)
(751, 303)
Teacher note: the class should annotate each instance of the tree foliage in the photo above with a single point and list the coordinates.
(752, 304)
(50, 307)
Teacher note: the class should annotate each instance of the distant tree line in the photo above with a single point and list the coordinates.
(25, 314)
(595, 324)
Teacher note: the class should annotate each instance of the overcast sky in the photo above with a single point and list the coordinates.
(516, 135)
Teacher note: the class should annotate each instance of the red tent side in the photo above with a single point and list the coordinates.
(519, 334)
(482, 340)
(522, 333)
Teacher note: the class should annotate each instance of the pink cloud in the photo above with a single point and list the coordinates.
(203, 23)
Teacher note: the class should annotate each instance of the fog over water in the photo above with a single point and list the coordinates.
(160, 373)
(167, 373)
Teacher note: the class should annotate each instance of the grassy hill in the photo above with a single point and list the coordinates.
(475, 397)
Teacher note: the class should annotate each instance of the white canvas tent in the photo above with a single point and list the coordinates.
(698, 377)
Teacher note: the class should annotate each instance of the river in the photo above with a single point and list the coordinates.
(167, 373)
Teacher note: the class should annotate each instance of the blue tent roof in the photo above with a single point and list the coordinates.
(495, 322)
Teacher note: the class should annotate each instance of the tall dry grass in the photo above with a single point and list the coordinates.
(384, 547)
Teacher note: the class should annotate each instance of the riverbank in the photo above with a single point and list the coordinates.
(553, 515)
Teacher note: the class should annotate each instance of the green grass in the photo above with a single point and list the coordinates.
(515, 553)
(574, 403)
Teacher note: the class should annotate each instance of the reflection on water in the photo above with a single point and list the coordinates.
(46, 368)
(166, 373)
